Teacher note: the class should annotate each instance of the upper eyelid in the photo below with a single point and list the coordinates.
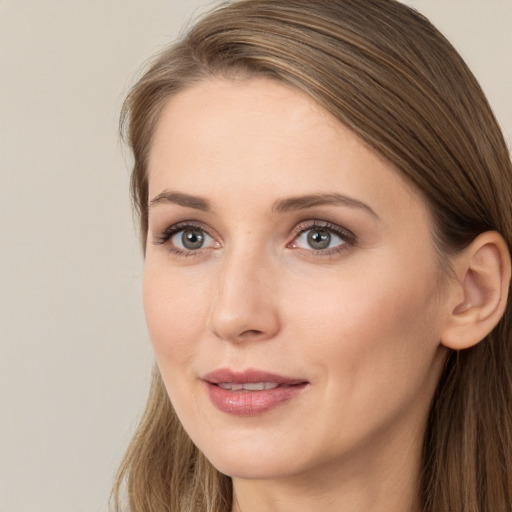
(336, 228)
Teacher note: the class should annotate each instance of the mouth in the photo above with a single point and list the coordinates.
(247, 386)
(251, 392)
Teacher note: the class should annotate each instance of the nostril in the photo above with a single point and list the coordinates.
(250, 333)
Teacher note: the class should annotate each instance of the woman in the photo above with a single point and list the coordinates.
(325, 204)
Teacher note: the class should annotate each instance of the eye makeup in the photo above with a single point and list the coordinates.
(318, 237)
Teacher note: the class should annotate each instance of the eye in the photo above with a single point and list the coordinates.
(186, 239)
(325, 237)
(191, 239)
(317, 239)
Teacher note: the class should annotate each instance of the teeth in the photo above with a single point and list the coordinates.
(248, 386)
(254, 386)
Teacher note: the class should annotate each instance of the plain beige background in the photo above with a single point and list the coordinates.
(75, 358)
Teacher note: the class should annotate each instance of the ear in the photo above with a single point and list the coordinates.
(477, 298)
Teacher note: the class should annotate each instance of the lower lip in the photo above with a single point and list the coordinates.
(251, 403)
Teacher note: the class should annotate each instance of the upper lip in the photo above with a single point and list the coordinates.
(223, 375)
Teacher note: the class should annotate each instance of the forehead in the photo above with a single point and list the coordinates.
(256, 110)
(258, 135)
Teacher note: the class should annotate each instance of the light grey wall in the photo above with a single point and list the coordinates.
(481, 30)
(74, 354)
(74, 357)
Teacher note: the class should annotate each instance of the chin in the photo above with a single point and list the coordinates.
(251, 470)
(255, 464)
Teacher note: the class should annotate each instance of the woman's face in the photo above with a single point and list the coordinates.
(290, 286)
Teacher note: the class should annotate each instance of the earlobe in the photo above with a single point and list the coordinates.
(478, 297)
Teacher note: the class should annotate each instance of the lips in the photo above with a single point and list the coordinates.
(251, 392)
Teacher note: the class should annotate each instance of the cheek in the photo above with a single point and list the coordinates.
(175, 311)
(373, 347)
(370, 333)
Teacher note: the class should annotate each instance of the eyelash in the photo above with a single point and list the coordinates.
(165, 237)
(347, 237)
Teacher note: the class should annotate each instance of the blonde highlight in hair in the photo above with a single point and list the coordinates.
(385, 72)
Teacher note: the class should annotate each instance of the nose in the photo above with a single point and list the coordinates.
(244, 306)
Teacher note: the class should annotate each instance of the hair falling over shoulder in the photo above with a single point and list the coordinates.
(385, 72)
(162, 462)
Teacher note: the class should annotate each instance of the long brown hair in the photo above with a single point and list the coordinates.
(385, 72)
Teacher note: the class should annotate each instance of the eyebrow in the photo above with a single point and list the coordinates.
(186, 200)
(312, 200)
(285, 205)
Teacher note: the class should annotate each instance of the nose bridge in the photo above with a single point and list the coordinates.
(243, 303)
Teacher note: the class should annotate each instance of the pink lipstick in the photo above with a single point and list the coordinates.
(250, 392)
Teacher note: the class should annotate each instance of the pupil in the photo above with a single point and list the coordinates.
(192, 239)
(319, 239)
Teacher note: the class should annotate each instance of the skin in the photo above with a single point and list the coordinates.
(360, 321)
